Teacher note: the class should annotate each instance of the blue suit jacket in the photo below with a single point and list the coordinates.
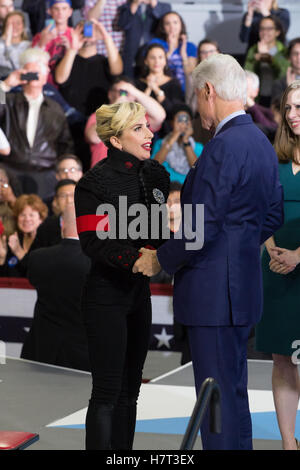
(236, 179)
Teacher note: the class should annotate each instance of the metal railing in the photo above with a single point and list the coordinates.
(209, 395)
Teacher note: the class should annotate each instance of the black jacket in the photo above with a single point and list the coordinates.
(48, 233)
(120, 174)
(57, 335)
(52, 137)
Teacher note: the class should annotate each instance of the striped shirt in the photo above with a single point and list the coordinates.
(109, 19)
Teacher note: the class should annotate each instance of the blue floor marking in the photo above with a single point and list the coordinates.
(264, 426)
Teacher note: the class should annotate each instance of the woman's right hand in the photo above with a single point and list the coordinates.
(262, 54)
(7, 35)
(77, 38)
(15, 246)
(252, 4)
(7, 194)
(262, 47)
(47, 34)
(151, 81)
(285, 256)
(290, 76)
(280, 268)
(172, 41)
(250, 12)
(179, 128)
(279, 265)
(262, 8)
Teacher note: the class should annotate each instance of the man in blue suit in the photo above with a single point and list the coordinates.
(217, 277)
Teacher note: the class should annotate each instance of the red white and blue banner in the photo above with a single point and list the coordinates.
(17, 301)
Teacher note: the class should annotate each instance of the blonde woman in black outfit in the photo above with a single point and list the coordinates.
(116, 302)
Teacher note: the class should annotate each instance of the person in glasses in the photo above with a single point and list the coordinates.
(256, 10)
(268, 57)
(68, 166)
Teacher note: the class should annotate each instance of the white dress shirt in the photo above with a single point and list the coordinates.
(34, 106)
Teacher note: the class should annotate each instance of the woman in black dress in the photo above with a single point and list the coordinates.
(156, 79)
(116, 302)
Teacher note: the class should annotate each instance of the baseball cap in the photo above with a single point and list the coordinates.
(53, 2)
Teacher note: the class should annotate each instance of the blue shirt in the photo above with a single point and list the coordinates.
(228, 118)
(175, 175)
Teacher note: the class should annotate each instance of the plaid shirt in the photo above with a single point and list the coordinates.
(109, 19)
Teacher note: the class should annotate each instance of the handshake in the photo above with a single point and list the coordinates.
(147, 263)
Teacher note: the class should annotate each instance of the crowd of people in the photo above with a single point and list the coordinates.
(55, 75)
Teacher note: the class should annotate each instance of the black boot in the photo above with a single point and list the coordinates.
(98, 426)
(124, 427)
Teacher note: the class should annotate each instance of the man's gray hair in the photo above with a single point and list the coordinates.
(225, 74)
(35, 54)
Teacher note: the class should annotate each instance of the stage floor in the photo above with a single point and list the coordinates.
(51, 401)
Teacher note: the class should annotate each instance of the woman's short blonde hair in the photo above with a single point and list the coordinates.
(113, 119)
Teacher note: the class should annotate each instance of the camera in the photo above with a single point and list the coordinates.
(29, 76)
(123, 92)
(88, 29)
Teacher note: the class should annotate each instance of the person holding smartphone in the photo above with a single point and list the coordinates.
(44, 132)
(82, 64)
(13, 42)
(54, 36)
(6, 6)
(256, 10)
(268, 58)
(181, 53)
(178, 151)
(37, 11)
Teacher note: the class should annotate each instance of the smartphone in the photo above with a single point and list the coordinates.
(29, 76)
(88, 29)
(50, 21)
(182, 118)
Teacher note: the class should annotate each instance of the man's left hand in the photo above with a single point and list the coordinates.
(147, 264)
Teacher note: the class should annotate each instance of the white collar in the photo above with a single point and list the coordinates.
(39, 99)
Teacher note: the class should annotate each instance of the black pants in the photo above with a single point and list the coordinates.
(118, 327)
